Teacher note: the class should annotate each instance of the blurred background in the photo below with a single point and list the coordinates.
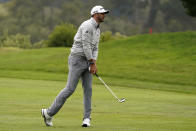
(34, 20)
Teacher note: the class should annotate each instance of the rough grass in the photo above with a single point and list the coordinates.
(163, 58)
(159, 61)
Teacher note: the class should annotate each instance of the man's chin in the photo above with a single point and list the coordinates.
(101, 20)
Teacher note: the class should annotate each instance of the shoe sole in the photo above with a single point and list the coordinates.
(84, 125)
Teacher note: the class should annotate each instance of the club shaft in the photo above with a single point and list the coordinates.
(107, 87)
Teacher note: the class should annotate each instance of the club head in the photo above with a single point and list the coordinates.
(122, 100)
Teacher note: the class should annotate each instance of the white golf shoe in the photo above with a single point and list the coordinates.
(47, 118)
(86, 122)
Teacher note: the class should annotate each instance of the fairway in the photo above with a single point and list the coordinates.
(144, 110)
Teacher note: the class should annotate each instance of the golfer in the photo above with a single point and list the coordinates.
(82, 64)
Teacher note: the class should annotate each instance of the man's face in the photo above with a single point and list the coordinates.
(100, 17)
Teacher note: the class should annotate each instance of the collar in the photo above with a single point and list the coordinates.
(95, 24)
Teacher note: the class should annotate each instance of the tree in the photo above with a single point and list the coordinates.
(154, 7)
(190, 6)
(62, 36)
(38, 18)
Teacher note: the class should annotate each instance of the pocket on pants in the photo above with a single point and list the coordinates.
(78, 62)
(73, 61)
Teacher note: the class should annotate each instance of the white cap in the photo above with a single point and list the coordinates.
(98, 9)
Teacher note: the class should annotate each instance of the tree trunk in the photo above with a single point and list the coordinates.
(154, 7)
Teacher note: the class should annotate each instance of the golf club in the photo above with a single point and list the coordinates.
(120, 100)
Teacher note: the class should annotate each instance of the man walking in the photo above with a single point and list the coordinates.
(82, 64)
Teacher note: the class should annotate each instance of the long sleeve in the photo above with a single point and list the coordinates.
(86, 42)
(95, 52)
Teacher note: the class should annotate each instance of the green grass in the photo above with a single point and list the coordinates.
(156, 73)
(163, 58)
(144, 110)
(167, 59)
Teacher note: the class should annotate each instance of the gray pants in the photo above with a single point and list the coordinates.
(78, 68)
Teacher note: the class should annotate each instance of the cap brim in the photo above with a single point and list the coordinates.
(105, 11)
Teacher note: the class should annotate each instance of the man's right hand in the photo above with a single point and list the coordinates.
(93, 67)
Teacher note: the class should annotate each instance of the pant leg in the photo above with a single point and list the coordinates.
(75, 71)
(87, 88)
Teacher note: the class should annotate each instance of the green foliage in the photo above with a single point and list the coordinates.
(107, 36)
(118, 35)
(62, 36)
(38, 18)
(40, 44)
(190, 6)
(3, 11)
(18, 40)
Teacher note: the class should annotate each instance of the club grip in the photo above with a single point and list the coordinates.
(96, 75)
